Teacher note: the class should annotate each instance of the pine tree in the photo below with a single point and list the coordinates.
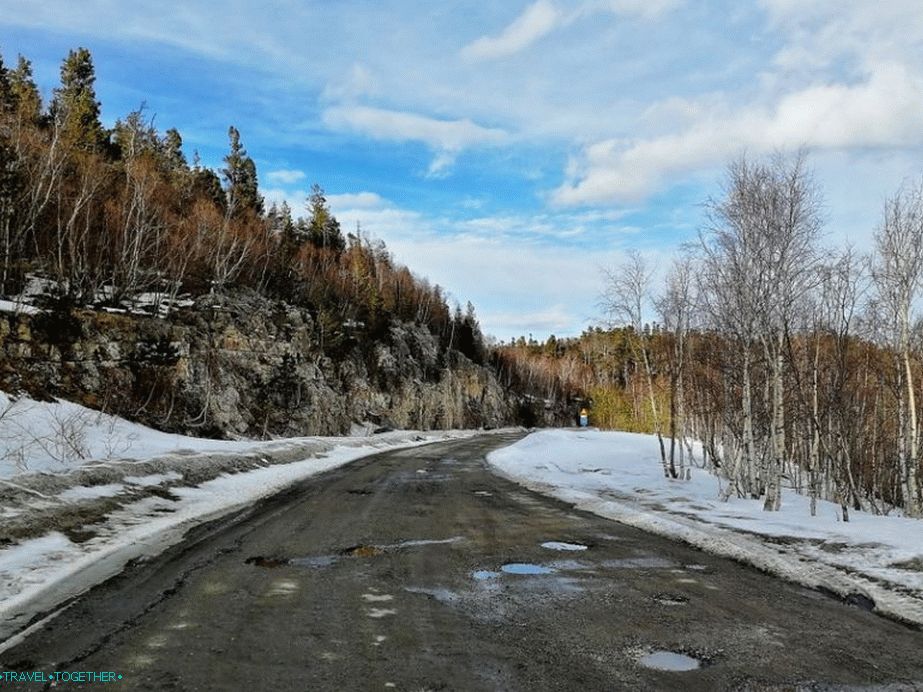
(240, 179)
(323, 229)
(74, 107)
(25, 92)
(207, 185)
(171, 147)
(7, 100)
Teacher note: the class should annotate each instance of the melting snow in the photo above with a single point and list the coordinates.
(82, 492)
(558, 545)
(862, 556)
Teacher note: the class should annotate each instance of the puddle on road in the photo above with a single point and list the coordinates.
(525, 568)
(560, 545)
(484, 574)
(269, 562)
(483, 493)
(669, 661)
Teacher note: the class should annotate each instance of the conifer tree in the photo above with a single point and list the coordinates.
(240, 179)
(7, 100)
(172, 148)
(323, 229)
(25, 92)
(74, 107)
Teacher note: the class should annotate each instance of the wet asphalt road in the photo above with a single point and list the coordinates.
(387, 574)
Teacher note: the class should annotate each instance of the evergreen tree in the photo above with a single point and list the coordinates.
(25, 92)
(323, 228)
(74, 107)
(240, 179)
(207, 185)
(171, 147)
(7, 100)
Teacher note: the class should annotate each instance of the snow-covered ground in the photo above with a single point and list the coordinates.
(145, 489)
(619, 476)
(56, 437)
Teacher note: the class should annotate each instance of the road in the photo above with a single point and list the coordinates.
(389, 574)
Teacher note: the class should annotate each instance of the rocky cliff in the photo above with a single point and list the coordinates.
(247, 366)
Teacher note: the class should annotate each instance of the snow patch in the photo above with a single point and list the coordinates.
(82, 492)
(619, 476)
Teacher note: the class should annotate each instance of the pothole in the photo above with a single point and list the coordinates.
(670, 661)
(360, 550)
(561, 545)
(268, 562)
(525, 568)
(671, 599)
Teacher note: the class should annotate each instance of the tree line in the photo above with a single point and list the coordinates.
(110, 215)
(766, 356)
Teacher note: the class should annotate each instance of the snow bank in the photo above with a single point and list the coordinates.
(39, 573)
(54, 437)
(619, 476)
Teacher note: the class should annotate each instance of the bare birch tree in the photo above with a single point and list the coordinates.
(898, 274)
(626, 294)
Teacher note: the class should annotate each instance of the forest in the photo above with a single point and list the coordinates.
(119, 219)
(764, 355)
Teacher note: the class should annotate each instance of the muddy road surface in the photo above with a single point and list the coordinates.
(421, 570)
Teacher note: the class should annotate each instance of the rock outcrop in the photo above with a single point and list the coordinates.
(247, 366)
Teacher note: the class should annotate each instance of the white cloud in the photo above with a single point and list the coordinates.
(645, 9)
(555, 319)
(357, 82)
(536, 21)
(356, 200)
(446, 137)
(285, 176)
(884, 111)
(295, 199)
(542, 17)
(401, 126)
(513, 268)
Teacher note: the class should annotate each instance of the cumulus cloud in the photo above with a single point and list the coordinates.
(551, 289)
(356, 200)
(881, 112)
(285, 176)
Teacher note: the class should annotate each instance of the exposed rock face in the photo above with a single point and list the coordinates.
(249, 367)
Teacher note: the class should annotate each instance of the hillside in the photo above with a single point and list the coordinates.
(172, 294)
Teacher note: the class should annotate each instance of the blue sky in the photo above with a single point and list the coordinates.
(508, 150)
